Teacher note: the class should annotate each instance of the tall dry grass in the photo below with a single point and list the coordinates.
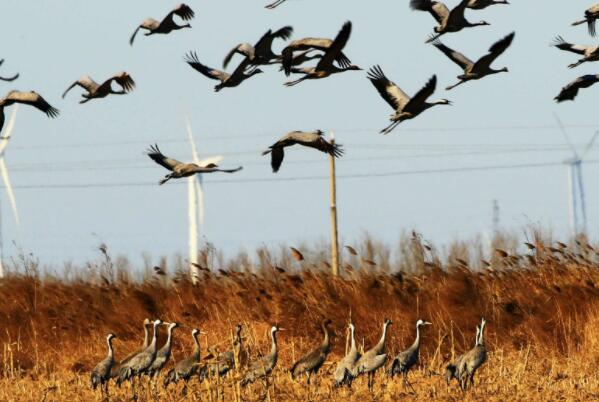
(541, 305)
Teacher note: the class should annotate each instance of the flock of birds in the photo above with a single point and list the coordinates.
(150, 362)
(330, 59)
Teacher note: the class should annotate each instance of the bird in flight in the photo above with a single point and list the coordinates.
(31, 98)
(167, 25)
(96, 91)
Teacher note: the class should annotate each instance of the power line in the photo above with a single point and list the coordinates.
(304, 178)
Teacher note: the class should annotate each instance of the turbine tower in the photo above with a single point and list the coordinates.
(9, 191)
(195, 201)
(576, 197)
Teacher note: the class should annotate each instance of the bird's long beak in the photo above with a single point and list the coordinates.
(428, 323)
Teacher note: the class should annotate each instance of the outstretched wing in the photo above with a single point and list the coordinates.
(388, 90)
(436, 9)
(84, 82)
(455, 56)
(192, 59)
(157, 156)
(324, 146)
(182, 10)
(561, 44)
(243, 48)
(125, 81)
(570, 91)
(264, 44)
(333, 52)
(32, 99)
(495, 51)
(421, 96)
(276, 158)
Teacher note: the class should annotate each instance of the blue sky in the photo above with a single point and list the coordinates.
(503, 120)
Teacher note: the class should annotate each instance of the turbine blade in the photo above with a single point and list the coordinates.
(199, 187)
(194, 151)
(7, 133)
(10, 192)
(590, 144)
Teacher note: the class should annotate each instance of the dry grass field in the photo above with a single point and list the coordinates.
(542, 308)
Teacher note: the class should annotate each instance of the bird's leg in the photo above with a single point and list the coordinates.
(10, 78)
(407, 382)
(578, 63)
(275, 4)
(85, 100)
(449, 88)
(390, 127)
(432, 37)
(292, 83)
(166, 178)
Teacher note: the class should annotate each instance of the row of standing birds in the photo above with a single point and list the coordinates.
(150, 361)
(331, 60)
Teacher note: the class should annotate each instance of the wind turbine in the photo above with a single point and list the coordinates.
(576, 198)
(9, 191)
(195, 201)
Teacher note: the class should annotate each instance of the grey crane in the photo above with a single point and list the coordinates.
(164, 353)
(142, 361)
(320, 44)
(570, 91)
(180, 169)
(326, 66)
(97, 91)
(589, 53)
(240, 74)
(261, 53)
(275, 4)
(405, 107)
(30, 98)
(473, 360)
(313, 361)
(14, 77)
(375, 358)
(227, 361)
(114, 372)
(481, 4)
(184, 369)
(167, 25)
(591, 15)
(301, 58)
(312, 139)
(482, 67)
(405, 360)
(449, 21)
(451, 371)
(345, 371)
(100, 375)
(263, 367)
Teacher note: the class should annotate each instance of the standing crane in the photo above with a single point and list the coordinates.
(228, 360)
(164, 353)
(313, 361)
(345, 372)
(187, 367)
(114, 372)
(140, 362)
(264, 366)
(473, 360)
(167, 25)
(100, 375)
(451, 371)
(405, 360)
(375, 358)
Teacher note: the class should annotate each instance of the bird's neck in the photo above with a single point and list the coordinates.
(381, 343)
(146, 336)
(416, 343)
(169, 337)
(110, 350)
(273, 345)
(353, 340)
(154, 338)
(481, 340)
(326, 343)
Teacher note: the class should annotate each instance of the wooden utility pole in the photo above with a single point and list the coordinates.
(334, 239)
